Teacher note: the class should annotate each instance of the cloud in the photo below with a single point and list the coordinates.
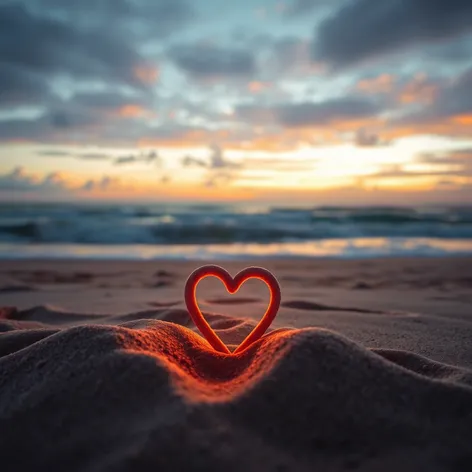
(448, 113)
(219, 169)
(219, 161)
(298, 8)
(141, 18)
(150, 157)
(366, 29)
(383, 83)
(106, 100)
(305, 114)
(87, 156)
(204, 61)
(81, 116)
(457, 162)
(288, 56)
(54, 184)
(364, 138)
(216, 160)
(18, 180)
(21, 87)
(45, 40)
(92, 156)
(53, 153)
(47, 45)
(190, 161)
(103, 184)
(454, 164)
(218, 178)
(123, 160)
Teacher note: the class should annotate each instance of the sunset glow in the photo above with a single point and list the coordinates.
(267, 104)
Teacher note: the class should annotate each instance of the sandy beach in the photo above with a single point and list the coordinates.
(368, 366)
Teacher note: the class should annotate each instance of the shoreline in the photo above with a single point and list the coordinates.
(340, 248)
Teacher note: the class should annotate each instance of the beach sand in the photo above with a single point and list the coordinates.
(368, 366)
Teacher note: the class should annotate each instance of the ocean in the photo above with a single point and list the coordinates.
(186, 231)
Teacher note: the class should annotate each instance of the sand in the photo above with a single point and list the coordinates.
(368, 367)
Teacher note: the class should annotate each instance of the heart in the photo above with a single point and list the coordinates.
(232, 286)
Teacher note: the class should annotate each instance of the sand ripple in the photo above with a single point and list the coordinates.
(141, 392)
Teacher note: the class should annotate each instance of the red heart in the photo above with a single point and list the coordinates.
(232, 286)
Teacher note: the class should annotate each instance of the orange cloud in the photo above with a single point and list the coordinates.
(260, 138)
(382, 84)
(256, 87)
(148, 74)
(465, 120)
(454, 126)
(132, 111)
(418, 90)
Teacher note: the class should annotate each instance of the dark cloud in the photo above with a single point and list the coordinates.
(86, 156)
(102, 184)
(297, 115)
(397, 171)
(364, 138)
(203, 61)
(48, 45)
(216, 160)
(53, 153)
(123, 160)
(455, 162)
(219, 169)
(22, 129)
(364, 29)
(306, 114)
(453, 98)
(21, 87)
(74, 118)
(219, 161)
(19, 181)
(457, 51)
(300, 8)
(158, 18)
(147, 157)
(190, 161)
(69, 118)
(92, 156)
(446, 164)
(41, 40)
(288, 55)
(151, 157)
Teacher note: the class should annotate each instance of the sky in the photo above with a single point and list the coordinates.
(288, 101)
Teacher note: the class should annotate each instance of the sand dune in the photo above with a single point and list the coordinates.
(143, 391)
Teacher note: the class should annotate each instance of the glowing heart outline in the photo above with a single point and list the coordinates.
(232, 285)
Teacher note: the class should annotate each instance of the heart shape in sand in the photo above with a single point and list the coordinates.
(232, 286)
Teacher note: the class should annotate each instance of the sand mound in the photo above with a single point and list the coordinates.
(127, 393)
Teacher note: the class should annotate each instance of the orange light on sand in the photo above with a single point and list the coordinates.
(232, 285)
